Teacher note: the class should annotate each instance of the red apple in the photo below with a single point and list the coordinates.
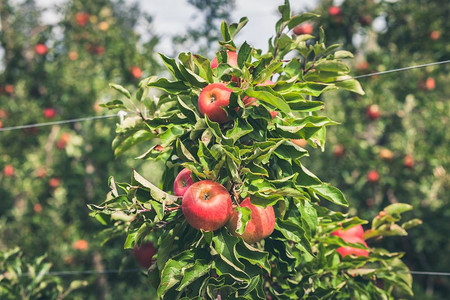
(41, 173)
(232, 60)
(211, 100)
(334, 10)
(338, 150)
(9, 88)
(182, 182)
(435, 35)
(408, 161)
(373, 176)
(206, 205)
(81, 245)
(352, 235)
(136, 72)
(1, 124)
(3, 114)
(8, 171)
(259, 227)
(99, 50)
(40, 49)
(305, 28)
(53, 182)
(144, 254)
(49, 113)
(82, 18)
(37, 208)
(63, 140)
(362, 66)
(430, 83)
(373, 112)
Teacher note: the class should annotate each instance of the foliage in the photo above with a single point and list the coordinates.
(408, 144)
(22, 280)
(251, 155)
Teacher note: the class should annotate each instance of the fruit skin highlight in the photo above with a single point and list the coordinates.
(260, 226)
(206, 205)
(211, 100)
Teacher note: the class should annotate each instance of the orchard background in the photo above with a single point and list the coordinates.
(59, 72)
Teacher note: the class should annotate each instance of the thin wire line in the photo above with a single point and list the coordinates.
(57, 122)
(395, 70)
(116, 271)
(86, 272)
(115, 115)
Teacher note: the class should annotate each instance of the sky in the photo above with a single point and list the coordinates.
(172, 17)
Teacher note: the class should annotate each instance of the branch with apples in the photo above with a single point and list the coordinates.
(236, 213)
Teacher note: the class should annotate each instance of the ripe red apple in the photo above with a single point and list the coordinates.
(9, 88)
(352, 235)
(3, 114)
(53, 182)
(144, 254)
(300, 142)
(182, 182)
(373, 176)
(435, 35)
(408, 161)
(8, 171)
(63, 140)
(305, 28)
(136, 72)
(41, 173)
(1, 124)
(373, 112)
(37, 208)
(99, 50)
(81, 245)
(82, 18)
(334, 10)
(430, 83)
(338, 150)
(259, 227)
(362, 66)
(40, 49)
(211, 100)
(232, 60)
(206, 205)
(49, 113)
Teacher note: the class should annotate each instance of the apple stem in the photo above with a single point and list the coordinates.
(173, 208)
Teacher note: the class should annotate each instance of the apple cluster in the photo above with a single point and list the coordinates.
(207, 206)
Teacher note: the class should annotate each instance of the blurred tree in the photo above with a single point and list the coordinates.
(57, 72)
(398, 129)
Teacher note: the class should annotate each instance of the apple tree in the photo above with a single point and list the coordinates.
(236, 214)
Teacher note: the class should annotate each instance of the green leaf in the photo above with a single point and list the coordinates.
(253, 255)
(125, 140)
(235, 28)
(398, 208)
(243, 54)
(285, 10)
(121, 90)
(114, 104)
(200, 268)
(299, 19)
(155, 192)
(173, 271)
(269, 98)
(172, 66)
(171, 87)
(330, 193)
(225, 31)
(241, 128)
(351, 85)
(244, 216)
